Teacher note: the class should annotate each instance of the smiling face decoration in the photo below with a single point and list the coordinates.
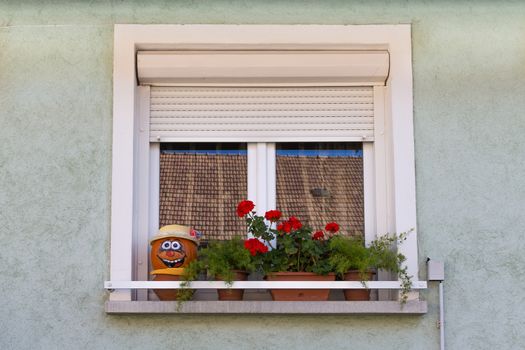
(171, 253)
(172, 247)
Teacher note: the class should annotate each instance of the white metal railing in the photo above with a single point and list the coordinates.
(112, 285)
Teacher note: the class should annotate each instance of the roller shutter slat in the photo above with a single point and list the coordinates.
(284, 100)
(166, 122)
(262, 114)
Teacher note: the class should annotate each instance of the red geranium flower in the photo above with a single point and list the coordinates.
(272, 215)
(319, 235)
(332, 227)
(284, 227)
(244, 208)
(255, 246)
(295, 223)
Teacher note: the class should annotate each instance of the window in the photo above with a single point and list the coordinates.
(294, 67)
(201, 183)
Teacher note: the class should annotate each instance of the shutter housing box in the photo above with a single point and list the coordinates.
(263, 68)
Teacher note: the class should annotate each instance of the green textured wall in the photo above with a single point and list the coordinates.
(55, 169)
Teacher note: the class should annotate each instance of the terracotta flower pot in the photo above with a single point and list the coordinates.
(233, 294)
(299, 294)
(357, 294)
(166, 294)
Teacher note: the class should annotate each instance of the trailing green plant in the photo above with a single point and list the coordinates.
(219, 261)
(350, 253)
(191, 273)
(221, 258)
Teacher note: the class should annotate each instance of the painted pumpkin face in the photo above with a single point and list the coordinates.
(172, 252)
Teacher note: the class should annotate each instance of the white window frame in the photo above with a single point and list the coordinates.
(390, 204)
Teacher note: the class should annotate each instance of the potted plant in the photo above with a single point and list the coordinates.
(353, 261)
(229, 260)
(173, 248)
(296, 254)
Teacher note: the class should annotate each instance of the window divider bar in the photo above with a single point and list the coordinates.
(271, 180)
(252, 173)
(369, 191)
(271, 176)
(261, 174)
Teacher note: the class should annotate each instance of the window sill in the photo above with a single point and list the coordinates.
(414, 307)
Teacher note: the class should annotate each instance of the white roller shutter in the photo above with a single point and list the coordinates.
(261, 114)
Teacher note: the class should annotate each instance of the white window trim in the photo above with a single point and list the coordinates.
(395, 170)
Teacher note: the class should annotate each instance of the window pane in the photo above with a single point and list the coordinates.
(320, 183)
(200, 186)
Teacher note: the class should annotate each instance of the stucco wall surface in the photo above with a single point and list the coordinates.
(55, 170)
